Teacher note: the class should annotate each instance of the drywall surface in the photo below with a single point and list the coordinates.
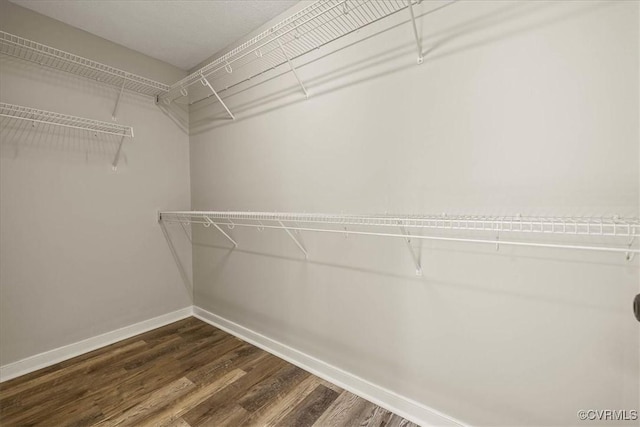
(519, 107)
(81, 252)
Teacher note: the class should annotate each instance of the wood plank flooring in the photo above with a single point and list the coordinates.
(185, 374)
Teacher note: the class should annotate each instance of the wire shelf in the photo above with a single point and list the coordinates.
(311, 28)
(624, 230)
(55, 58)
(50, 118)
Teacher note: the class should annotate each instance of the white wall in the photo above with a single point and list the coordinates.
(81, 252)
(527, 107)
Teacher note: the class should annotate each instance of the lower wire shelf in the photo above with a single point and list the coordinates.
(33, 115)
(605, 234)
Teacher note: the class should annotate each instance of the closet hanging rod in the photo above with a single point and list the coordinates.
(34, 115)
(29, 50)
(314, 26)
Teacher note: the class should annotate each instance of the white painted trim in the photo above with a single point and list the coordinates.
(398, 404)
(51, 357)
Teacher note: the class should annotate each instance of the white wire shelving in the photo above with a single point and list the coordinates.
(311, 28)
(40, 116)
(29, 50)
(620, 233)
(36, 116)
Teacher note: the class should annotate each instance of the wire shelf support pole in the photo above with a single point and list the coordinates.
(293, 69)
(114, 115)
(205, 82)
(186, 233)
(420, 59)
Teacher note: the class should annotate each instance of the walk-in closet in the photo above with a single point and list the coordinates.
(319, 213)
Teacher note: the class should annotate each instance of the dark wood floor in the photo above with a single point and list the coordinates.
(184, 374)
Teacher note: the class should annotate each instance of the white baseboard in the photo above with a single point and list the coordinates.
(403, 406)
(51, 357)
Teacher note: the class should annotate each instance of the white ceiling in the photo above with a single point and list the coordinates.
(180, 32)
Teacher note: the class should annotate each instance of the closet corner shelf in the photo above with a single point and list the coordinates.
(34, 116)
(314, 26)
(608, 234)
(55, 58)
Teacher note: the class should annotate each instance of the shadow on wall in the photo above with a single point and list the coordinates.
(178, 113)
(317, 340)
(538, 294)
(179, 264)
(23, 138)
(436, 46)
(469, 287)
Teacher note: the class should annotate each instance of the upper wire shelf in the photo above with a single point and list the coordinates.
(55, 58)
(40, 116)
(311, 28)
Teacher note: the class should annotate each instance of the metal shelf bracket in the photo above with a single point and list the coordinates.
(296, 241)
(235, 245)
(415, 257)
(630, 255)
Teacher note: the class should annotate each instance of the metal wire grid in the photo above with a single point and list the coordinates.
(55, 58)
(47, 117)
(591, 226)
(318, 24)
